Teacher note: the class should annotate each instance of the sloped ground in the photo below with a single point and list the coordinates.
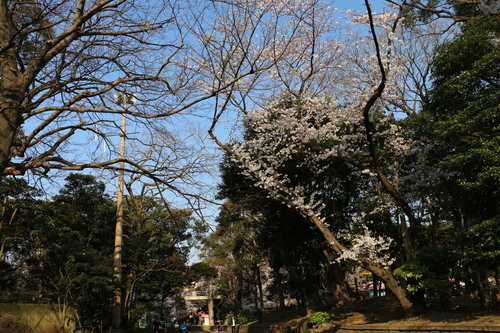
(386, 310)
(12, 325)
(376, 310)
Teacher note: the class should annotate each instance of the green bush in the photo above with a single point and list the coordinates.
(431, 270)
(318, 318)
(241, 317)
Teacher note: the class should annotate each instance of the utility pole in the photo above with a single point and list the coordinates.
(120, 99)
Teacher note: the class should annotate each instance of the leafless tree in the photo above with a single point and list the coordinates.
(61, 63)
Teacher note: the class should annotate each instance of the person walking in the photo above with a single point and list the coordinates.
(233, 325)
(156, 326)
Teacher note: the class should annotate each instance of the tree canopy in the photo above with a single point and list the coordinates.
(59, 251)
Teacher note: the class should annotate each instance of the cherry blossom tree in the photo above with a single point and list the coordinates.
(303, 123)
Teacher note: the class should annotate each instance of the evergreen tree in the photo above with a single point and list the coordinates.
(74, 264)
(460, 125)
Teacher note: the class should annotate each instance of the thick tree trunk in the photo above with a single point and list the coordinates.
(8, 131)
(338, 287)
(390, 282)
(10, 111)
(10, 94)
(11, 90)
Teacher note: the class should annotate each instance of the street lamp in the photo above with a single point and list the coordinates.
(122, 99)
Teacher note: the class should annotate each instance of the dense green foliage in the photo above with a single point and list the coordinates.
(465, 111)
(318, 318)
(63, 247)
(462, 125)
(156, 251)
(258, 230)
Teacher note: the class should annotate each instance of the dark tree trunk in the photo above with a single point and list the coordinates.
(385, 274)
(340, 291)
(238, 292)
(480, 288)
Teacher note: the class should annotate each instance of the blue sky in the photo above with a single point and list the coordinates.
(358, 4)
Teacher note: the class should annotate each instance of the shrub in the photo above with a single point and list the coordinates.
(318, 318)
(241, 317)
